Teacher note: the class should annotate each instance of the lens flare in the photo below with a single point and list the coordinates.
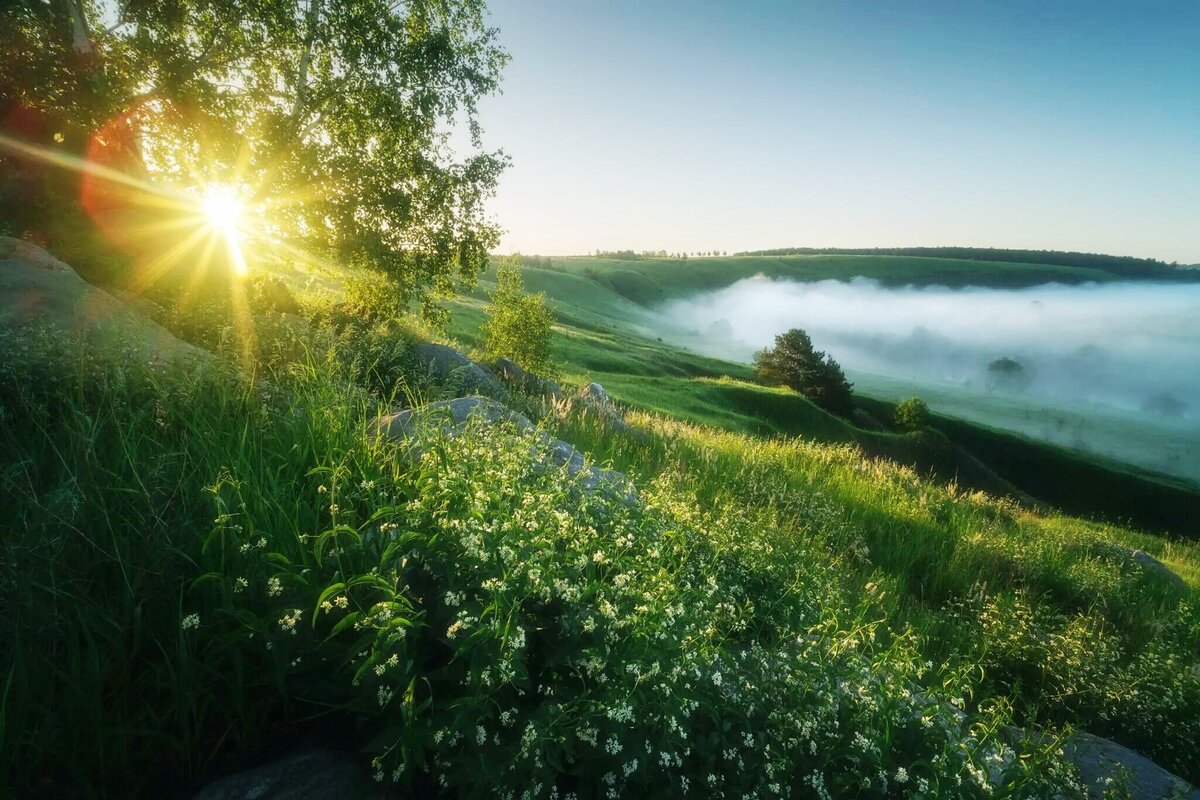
(223, 213)
(222, 209)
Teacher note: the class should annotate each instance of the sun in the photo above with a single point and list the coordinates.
(224, 212)
(222, 209)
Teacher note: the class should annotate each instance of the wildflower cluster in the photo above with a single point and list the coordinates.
(578, 641)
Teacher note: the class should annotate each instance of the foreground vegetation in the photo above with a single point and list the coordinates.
(203, 560)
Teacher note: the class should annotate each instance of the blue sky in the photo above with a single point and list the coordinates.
(743, 125)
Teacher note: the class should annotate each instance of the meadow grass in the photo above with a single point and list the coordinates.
(200, 560)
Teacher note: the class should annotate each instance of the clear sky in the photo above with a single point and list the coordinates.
(762, 123)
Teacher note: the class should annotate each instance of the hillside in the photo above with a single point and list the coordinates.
(606, 333)
(1124, 266)
(222, 555)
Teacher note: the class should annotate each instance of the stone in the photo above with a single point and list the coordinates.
(1152, 566)
(306, 775)
(1101, 761)
(451, 366)
(514, 374)
(593, 400)
(39, 291)
(594, 396)
(411, 426)
(407, 424)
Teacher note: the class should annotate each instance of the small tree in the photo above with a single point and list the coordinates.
(519, 324)
(912, 414)
(793, 362)
(1007, 374)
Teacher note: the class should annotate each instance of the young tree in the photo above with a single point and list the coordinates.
(334, 113)
(795, 363)
(519, 324)
(1007, 374)
(912, 414)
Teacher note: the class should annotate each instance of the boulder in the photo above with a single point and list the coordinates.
(410, 423)
(514, 375)
(450, 366)
(1157, 569)
(412, 426)
(39, 291)
(1103, 763)
(594, 397)
(593, 400)
(307, 775)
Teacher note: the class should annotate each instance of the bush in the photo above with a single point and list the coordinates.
(519, 325)
(372, 296)
(912, 414)
(793, 362)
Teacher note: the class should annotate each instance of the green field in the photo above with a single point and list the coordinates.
(607, 334)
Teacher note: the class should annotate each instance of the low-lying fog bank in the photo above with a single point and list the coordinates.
(1124, 351)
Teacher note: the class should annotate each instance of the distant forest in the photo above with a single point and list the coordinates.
(1117, 265)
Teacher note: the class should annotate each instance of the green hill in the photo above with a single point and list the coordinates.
(207, 563)
(606, 334)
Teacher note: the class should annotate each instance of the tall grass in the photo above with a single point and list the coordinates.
(196, 562)
(1067, 628)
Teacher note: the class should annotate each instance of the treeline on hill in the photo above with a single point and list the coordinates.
(639, 255)
(1126, 266)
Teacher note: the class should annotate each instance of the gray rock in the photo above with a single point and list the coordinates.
(593, 400)
(514, 374)
(307, 775)
(1102, 763)
(594, 396)
(39, 291)
(413, 426)
(450, 366)
(1152, 566)
(412, 423)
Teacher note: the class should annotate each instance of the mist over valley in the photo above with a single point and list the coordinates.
(1095, 367)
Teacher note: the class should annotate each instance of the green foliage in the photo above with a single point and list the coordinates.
(518, 324)
(334, 112)
(371, 296)
(911, 414)
(793, 362)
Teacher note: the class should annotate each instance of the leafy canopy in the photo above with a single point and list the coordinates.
(912, 414)
(335, 114)
(519, 324)
(795, 363)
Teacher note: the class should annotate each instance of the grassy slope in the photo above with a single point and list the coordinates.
(601, 337)
(814, 577)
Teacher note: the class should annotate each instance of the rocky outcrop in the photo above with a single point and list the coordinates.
(307, 775)
(516, 376)
(592, 400)
(1157, 569)
(413, 426)
(39, 291)
(1103, 764)
(449, 366)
